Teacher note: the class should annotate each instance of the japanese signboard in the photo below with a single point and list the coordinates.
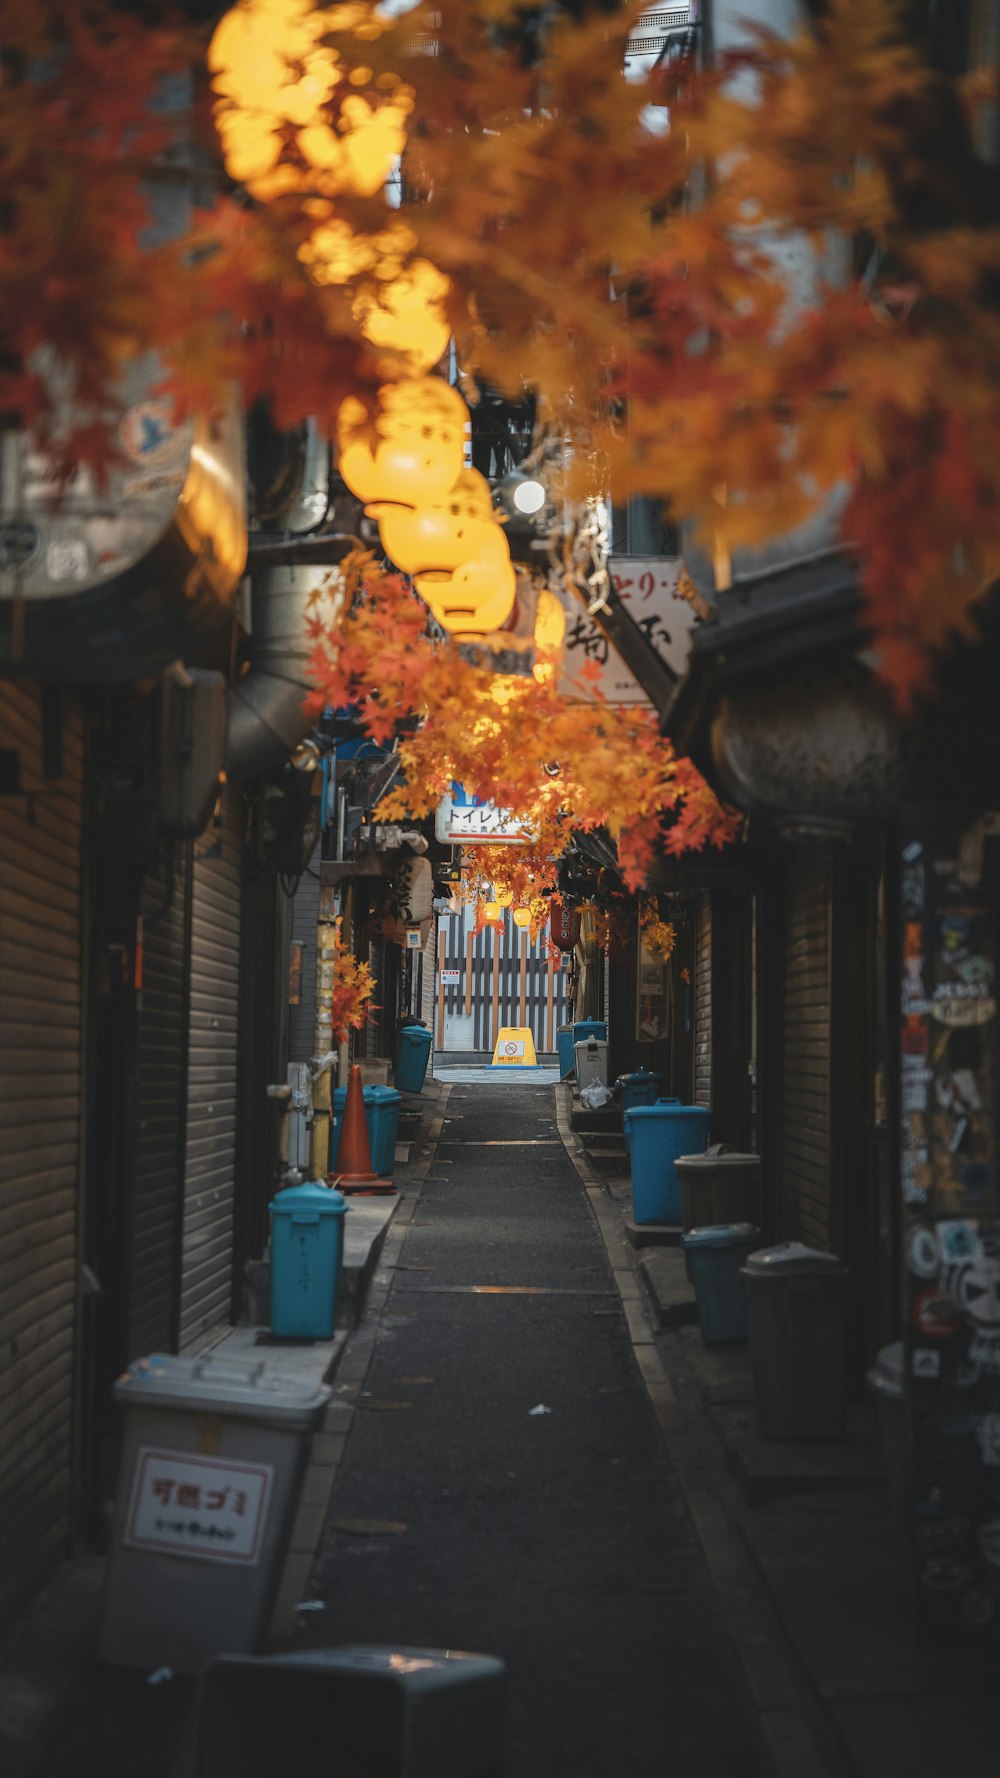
(197, 1506)
(464, 820)
(648, 587)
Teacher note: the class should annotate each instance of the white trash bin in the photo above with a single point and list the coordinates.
(591, 1062)
(213, 1457)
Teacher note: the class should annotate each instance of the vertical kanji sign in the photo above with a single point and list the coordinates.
(652, 590)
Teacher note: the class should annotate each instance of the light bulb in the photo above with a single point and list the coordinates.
(529, 496)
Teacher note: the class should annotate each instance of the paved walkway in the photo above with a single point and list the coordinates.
(505, 1487)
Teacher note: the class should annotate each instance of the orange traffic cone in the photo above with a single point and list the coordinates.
(354, 1158)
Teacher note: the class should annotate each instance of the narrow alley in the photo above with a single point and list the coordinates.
(465, 1516)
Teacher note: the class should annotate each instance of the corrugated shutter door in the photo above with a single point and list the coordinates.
(804, 1180)
(40, 1063)
(703, 1001)
(161, 1088)
(207, 1249)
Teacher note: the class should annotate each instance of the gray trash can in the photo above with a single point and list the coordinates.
(795, 1313)
(213, 1458)
(718, 1186)
(386, 1712)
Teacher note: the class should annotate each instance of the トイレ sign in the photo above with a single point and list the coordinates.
(464, 820)
(197, 1506)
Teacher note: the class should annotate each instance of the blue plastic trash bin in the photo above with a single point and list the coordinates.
(307, 1246)
(641, 1088)
(382, 1119)
(567, 1055)
(717, 1256)
(657, 1135)
(586, 1028)
(411, 1057)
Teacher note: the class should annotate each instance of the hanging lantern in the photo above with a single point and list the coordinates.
(491, 910)
(405, 313)
(334, 253)
(277, 100)
(505, 897)
(478, 598)
(521, 917)
(550, 628)
(359, 154)
(565, 924)
(550, 621)
(439, 535)
(418, 434)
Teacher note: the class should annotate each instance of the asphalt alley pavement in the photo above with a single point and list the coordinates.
(558, 1540)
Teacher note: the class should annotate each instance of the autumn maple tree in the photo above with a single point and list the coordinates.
(611, 245)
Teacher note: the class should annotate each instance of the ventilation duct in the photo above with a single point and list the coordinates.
(267, 719)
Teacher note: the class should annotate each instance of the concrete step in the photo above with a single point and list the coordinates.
(653, 1234)
(607, 1120)
(671, 1292)
(768, 1468)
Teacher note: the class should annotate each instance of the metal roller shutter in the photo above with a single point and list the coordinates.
(161, 1090)
(804, 1173)
(703, 1001)
(207, 1238)
(40, 1136)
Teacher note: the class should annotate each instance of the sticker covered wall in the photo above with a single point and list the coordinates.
(951, 1239)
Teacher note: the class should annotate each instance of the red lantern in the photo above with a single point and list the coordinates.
(565, 924)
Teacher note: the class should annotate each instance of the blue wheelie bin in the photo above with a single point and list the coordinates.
(567, 1054)
(382, 1118)
(657, 1134)
(307, 1248)
(412, 1056)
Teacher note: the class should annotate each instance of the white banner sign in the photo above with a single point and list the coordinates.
(647, 587)
(197, 1506)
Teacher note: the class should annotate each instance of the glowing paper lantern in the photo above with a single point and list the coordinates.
(478, 597)
(521, 917)
(550, 621)
(334, 253)
(405, 313)
(416, 451)
(276, 83)
(439, 535)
